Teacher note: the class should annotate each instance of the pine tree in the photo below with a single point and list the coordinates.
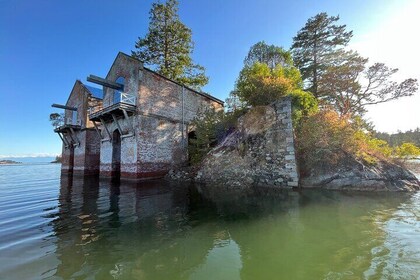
(167, 47)
(316, 46)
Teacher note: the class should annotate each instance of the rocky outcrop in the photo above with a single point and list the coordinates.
(259, 152)
(354, 175)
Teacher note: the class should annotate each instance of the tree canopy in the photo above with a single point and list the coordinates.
(269, 54)
(167, 47)
(316, 45)
(258, 84)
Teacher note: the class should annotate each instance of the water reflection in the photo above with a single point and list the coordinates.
(162, 230)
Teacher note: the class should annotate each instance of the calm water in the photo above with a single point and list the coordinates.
(52, 228)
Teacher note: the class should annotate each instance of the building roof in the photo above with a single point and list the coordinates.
(154, 72)
(96, 92)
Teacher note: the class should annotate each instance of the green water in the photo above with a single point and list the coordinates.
(69, 228)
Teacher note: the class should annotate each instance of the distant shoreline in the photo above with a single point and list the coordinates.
(6, 161)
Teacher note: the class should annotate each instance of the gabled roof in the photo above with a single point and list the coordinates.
(166, 78)
(96, 92)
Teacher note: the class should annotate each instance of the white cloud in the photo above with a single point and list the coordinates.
(396, 43)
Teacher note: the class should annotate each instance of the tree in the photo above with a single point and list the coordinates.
(168, 46)
(269, 54)
(350, 85)
(260, 85)
(407, 150)
(57, 119)
(316, 46)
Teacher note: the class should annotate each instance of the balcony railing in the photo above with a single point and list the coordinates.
(124, 97)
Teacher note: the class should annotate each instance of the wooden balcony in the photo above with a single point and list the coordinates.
(117, 109)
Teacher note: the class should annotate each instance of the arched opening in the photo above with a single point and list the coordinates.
(71, 158)
(191, 137)
(116, 153)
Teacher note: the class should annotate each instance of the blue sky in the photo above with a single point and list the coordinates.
(46, 45)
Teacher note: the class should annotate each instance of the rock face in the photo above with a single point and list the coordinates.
(353, 175)
(259, 152)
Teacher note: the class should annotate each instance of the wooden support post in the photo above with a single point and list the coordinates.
(105, 83)
(66, 145)
(72, 140)
(118, 125)
(77, 140)
(97, 130)
(132, 120)
(106, 129)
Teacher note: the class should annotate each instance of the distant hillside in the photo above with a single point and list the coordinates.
(30, 159)
(396, 139)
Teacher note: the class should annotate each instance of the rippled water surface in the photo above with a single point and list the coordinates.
(64, 228)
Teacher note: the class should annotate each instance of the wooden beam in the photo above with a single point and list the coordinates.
(75, 136)
(64, 140)
(118, 125)
(106, 83)
(97, 130)
(106, 129)
(64, 107)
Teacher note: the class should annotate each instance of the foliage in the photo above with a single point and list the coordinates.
(233, 102)
(407, 150)
(341, 84)
(57, 119)
(325, 139)
(269, 54)
(210, 128)
(258, 84)
(58, 159)
(303, 105)
(168, 46)
(412, 136)
(316, 45)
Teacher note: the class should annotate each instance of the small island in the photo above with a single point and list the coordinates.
(6, 161)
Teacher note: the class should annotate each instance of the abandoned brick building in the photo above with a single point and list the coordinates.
(136, 126)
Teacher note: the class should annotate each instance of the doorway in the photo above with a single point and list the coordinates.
(116, 153)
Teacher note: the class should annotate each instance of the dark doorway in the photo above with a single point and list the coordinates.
(116, 153)
(71, 158)
(191, 144)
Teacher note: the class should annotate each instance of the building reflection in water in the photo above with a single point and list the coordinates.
(161, 230)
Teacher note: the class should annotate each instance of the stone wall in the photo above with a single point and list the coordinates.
(259, 152)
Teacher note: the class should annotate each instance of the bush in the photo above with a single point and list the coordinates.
(407, 151)
(210, 128)
(324, 139)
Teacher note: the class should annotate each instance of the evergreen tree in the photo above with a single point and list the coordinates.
(316, 46)
(269, 54)
(167, 47)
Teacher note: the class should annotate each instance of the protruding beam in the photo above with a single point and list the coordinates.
(64, 107)
(106, 83)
